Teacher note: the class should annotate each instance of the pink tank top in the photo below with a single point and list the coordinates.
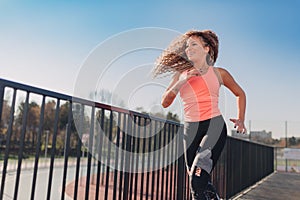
(200, 97)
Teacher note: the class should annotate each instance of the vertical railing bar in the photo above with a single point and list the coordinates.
(272, 159)
(175, 158)
(20, 156)
(225, 168)
(78, 150)
(137, 156)
(117, 157)
(251, 164)
(240, 181)
(127, 159)
(228, 179)
(108, 152)
(241, 170)
(38, 146)
(104, 146)
(100, 144)
(53, 149)
(181, 173)
(66, 149)
(247, 159)
(174, 154)
(261, 162)
(89, 161)
(7, 145)
(159, 170)
(149, 157)
(132, 173)
(161, 146)
(228, 172)
(2, 88)
(172, 161)
(122, 156)
(153, 164)
(168, 160)
(143, 159)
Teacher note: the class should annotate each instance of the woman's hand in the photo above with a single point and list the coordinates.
(179, 79)
(184, 77)
(239, 125)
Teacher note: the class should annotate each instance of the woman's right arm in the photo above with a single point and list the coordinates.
(171, 92)
(177, 82)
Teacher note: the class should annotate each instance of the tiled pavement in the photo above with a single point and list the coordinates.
(277, 186)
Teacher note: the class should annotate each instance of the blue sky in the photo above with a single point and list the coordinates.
(46, 43)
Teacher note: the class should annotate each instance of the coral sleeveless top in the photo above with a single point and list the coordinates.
(200, 97)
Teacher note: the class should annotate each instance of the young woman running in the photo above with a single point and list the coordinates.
(191, 59)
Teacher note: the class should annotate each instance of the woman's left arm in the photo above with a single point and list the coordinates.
(234, 87)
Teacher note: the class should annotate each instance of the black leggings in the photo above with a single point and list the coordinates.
(203, 144)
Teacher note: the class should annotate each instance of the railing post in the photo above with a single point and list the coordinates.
(286, 146)
(1, 99)
(7, 145)
(127, 156)
(180, 167)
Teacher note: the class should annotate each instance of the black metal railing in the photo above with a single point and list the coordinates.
(241, 164)
(79, 148)
(54, 146)
(246, 164)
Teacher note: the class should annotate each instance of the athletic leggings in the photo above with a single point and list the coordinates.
(203, 144)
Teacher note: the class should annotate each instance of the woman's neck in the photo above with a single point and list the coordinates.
(201, 65)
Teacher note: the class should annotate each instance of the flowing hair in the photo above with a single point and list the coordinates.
(174, 59)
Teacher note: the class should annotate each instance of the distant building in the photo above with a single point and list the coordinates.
(261, 134)
(258, 136)
(242, 136)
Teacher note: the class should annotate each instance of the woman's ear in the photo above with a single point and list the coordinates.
(206, 49)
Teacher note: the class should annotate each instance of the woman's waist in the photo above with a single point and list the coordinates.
(218, 118)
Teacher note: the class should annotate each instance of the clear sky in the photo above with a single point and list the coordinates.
(45, 44)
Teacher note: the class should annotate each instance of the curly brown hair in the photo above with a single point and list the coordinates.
(173, 58)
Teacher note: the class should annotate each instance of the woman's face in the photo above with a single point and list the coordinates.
(195, 49)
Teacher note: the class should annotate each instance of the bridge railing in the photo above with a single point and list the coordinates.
(54, 146)
(80, 148)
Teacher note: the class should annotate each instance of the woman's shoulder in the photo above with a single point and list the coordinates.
(221, 70)
(221, 73)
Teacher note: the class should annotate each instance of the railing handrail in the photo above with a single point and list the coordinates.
(49, 93)
(252, 141)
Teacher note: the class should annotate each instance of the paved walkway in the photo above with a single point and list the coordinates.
(277, 186)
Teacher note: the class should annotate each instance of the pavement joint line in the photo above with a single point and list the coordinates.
(242, 193)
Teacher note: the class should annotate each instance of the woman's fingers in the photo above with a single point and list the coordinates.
(233, 120)
(239, 125)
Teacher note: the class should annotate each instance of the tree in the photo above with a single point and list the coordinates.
(32, 123)
(49, 115)
(173, 117)
(292, 141)
(4, 121)
(4, 117)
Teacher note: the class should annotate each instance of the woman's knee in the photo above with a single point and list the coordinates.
(203, 160)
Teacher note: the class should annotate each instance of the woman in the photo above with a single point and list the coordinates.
(191, 59)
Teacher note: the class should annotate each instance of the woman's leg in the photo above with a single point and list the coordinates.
(206, 155)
